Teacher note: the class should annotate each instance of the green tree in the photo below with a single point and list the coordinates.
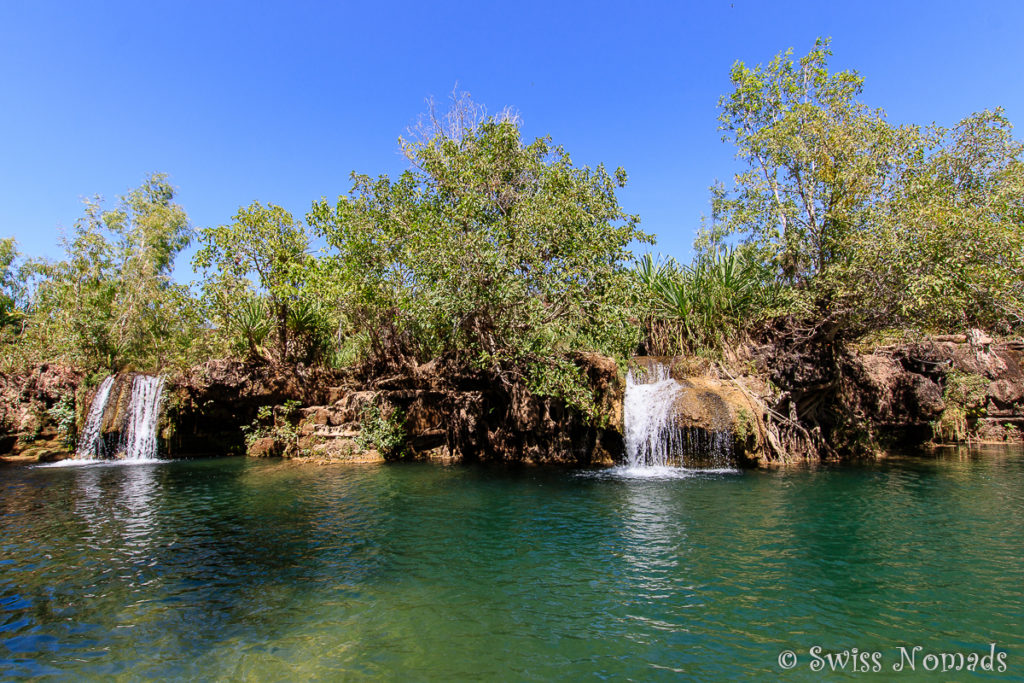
(499, 254)
(112, 301)
(256, 275)
(10, 285)
(816, 159)
(943, 248)
(871, 225)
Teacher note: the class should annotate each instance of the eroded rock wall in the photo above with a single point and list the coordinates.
(207, 406)
(952, 388)
(448, 415)
(31, 407)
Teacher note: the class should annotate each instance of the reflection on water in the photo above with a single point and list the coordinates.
(269, 570)
(117, 506)
(657, 472)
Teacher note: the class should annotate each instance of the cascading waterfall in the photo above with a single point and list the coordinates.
(140, 439)
(90, 444)
(130, 418)
(652, 436)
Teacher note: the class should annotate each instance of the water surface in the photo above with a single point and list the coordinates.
(267, 570)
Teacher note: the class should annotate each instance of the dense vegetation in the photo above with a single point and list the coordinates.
(497, 254)
(111, 303)
(846, 221)
(500, 256)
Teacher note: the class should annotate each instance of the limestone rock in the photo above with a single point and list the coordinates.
(266, 447)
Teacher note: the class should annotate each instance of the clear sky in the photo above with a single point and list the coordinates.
(239, 101)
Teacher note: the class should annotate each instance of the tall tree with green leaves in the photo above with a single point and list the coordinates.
(256, 275)
(496, 252)
(943, 247)
(875, 225)
(816, 160)
(12, 285)
(112, 302)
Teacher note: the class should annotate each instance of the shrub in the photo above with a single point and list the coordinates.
(278, 423)
(63, 416)
(384, 430)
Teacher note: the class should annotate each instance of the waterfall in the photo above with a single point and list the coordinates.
(654, 433)
(652, 436)
(90, 444)
(127, 419)
(140, 439)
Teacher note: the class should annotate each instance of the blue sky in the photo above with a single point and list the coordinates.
(279, 102)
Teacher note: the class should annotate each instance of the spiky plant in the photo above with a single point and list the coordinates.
(250, 324)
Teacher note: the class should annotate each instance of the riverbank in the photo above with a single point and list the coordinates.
(772, 405)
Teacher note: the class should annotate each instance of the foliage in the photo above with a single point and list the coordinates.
(966, 389)
(816, 157)
(706, 305)
(249, 324)
(869, 224)
(964, 395)
(265, 247)
(63, 415)
(112, 303)
(944, 247)
(502, 255)
(276, 422)
(11, 288)
(383, 430)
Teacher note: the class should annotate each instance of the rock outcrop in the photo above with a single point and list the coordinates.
(37, 410)
(442, 413)
(448, 415)
(786, 404)
(952, 388)
(207, 406)
(719, 416)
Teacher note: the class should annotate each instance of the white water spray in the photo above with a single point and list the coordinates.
(652, 437)
(140, 439)
(655, 438)
(90, 444)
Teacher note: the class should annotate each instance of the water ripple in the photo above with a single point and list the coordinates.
(268, 570)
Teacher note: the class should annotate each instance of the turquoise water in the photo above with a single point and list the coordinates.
(260, 570)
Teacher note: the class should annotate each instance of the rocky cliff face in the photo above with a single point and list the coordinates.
(207, 406)
(955, 388)
(450, 416)
(38, 412)
(824, 402)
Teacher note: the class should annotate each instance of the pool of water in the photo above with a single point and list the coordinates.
(268, 570)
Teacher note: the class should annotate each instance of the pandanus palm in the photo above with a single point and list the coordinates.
(709, 301)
